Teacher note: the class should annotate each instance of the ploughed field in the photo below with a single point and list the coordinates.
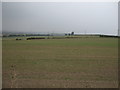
(60, 63)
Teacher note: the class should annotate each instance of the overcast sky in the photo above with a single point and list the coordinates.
(0, 18)
(60, 17)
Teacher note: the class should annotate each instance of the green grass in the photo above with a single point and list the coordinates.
(61, 63)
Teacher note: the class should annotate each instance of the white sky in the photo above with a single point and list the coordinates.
(61, 17)
(60, 0)
(0, 18)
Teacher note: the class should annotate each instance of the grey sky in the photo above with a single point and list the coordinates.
(61, 17)
(119, 18)
(0, 17)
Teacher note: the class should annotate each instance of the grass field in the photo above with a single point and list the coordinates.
(0, 63)
(60, 63)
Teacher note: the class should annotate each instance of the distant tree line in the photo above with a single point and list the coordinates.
(35, 38)
(69, 34)
(21, 35)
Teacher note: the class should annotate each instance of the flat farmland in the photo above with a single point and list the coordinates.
(60, 63)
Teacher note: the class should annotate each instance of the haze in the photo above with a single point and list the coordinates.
(60, 17)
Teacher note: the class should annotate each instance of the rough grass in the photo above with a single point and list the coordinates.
(61, 63)
(0, 62)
